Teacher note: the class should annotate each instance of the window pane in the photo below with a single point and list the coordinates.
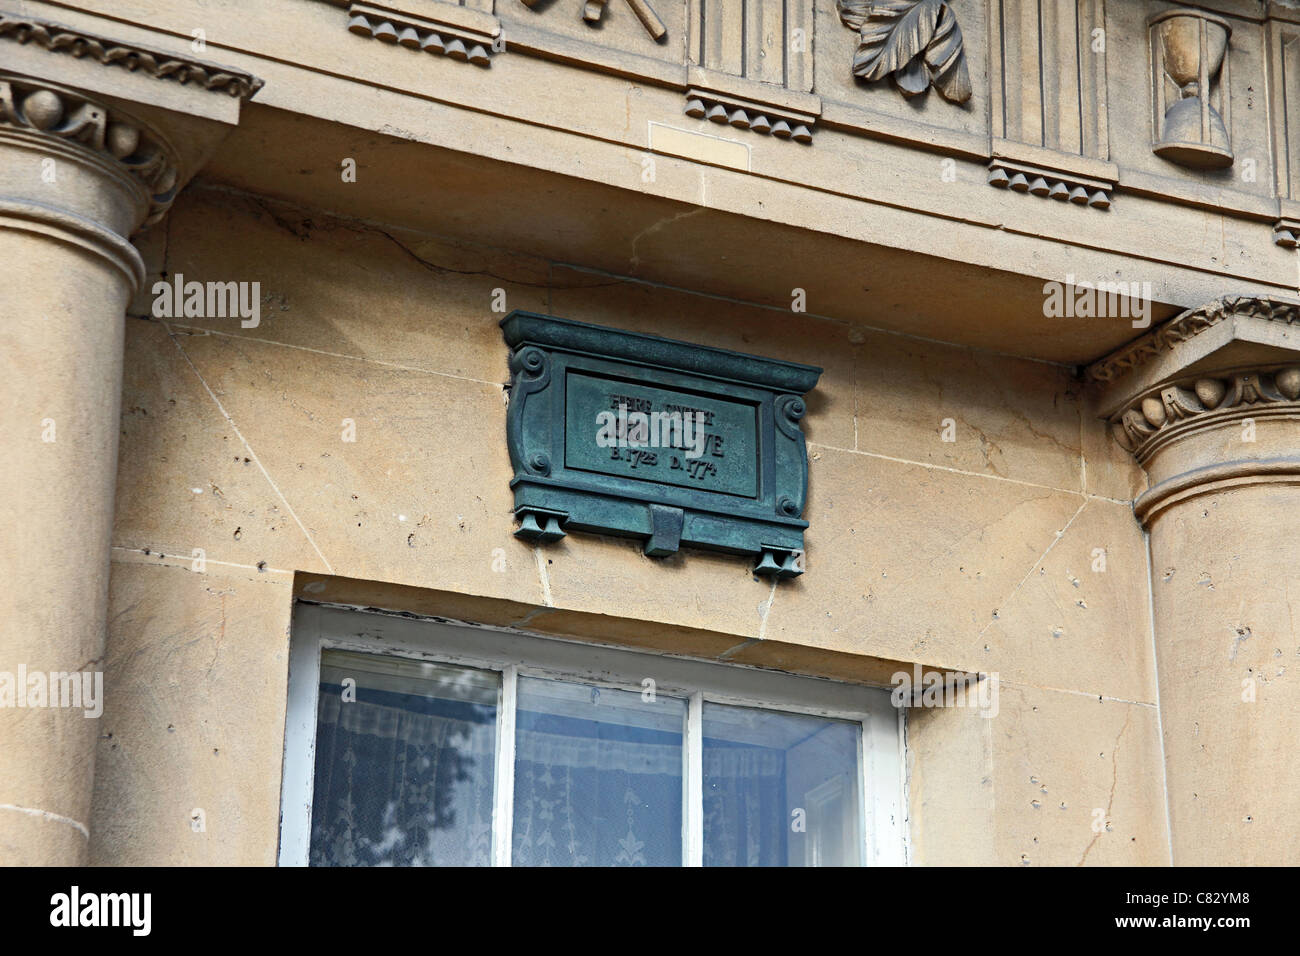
(598, 776)
(779, 789)
(404, 763)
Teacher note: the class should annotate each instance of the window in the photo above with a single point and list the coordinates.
(420, 743)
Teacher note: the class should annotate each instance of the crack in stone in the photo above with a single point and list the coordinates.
(434, 267)
(1114, 782)
(304, 228)
(635, 260)
(238, 434)
(1042, 557)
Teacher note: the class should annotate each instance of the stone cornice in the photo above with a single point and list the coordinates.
(1189, 324)
(57, 38)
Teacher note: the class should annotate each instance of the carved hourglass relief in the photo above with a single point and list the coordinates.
(1191, 92)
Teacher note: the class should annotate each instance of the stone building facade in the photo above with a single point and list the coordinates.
(1043, 253)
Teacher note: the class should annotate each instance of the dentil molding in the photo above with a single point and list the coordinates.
(465, 35)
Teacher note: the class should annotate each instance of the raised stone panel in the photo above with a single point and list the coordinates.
(1284, 53)
(769, 41)
(1051, 72)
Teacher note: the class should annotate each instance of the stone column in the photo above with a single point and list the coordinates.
(84, 165)
(1209, 405)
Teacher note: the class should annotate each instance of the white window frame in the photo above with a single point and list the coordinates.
(516, 654)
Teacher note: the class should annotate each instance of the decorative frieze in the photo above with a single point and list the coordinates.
(1050, 183)
(469, 36)
(1189, 324)
(765, 118)
(1047, 73)
(80, 44)
(592, 10)
(767, 42)
(917, 42)
(37, 109)
(1283, 48)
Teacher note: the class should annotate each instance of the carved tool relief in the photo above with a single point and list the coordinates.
(592, 10)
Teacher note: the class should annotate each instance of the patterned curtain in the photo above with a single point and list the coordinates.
(398, 787)
(586, 802)
(746, 812)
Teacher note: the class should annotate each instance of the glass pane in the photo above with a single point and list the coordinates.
(598, 776)
(404, 763)
(779, 789)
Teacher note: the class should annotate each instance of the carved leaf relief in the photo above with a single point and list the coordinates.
(917, 42)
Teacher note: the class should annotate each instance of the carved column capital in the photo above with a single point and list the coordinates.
(1208, 401)
(98, 135)
(64, 123)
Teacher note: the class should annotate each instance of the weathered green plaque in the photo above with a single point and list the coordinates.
(617, 432)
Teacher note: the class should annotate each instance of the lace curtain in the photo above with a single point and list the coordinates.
(397, 787)
(582, 802)
(746, 812)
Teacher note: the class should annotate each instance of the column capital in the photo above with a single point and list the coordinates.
(100, 134)
(1209, 400)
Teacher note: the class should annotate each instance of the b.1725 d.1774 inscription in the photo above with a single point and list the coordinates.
(656, 434)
